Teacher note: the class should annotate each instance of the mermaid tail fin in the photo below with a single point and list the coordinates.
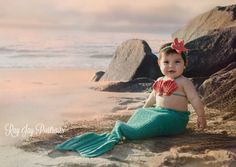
(93, 145)
(89, 144)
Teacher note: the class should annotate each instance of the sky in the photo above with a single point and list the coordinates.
(104, 15)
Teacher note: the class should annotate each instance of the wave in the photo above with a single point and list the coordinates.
(36, 55)
(102, 56)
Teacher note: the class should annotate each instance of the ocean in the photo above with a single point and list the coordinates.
(66, 49)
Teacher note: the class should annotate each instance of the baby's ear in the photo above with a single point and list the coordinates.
(186, 64)
(158, 62)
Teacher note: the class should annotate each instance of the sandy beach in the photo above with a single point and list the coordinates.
(49, 99)
(64, 98)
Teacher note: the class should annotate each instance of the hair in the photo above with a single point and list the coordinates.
(169, 51)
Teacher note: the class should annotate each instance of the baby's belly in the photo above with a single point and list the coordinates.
(173, 102)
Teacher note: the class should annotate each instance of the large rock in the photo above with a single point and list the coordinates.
(211, 53)
(220, 89)
(132, 59)
(135, 85)
(217, 18)
(98, 75)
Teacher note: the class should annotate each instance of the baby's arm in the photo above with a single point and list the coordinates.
(151, 100)
(195, 100)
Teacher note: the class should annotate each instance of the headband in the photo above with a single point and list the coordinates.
(178, 46)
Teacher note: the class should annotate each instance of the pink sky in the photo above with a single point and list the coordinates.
(104, 15)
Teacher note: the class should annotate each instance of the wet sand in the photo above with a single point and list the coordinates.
(50, 97)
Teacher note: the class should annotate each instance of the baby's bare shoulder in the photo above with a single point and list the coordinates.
(184, 81)
(160, 78)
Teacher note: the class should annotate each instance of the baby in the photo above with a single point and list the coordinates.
(172, 62)
(171, 94)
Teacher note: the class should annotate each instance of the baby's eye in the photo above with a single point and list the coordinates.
(177, 61)
(166, 62)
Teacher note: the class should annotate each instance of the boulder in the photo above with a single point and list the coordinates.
(132, 59)
(220, 89)
(211, 53)
(98, 75)
(217, 18)
(135, 85)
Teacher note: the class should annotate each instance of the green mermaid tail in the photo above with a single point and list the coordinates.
(144, 123)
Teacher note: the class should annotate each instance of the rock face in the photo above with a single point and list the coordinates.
(217, 18)
(211, 53)
(220, 89)
(132, 59)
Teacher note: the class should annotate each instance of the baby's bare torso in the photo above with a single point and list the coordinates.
(173, 102)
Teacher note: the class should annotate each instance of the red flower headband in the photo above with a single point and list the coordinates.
(178, 46)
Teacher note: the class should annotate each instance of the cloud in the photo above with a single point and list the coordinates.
(153, 18)
(104, 15)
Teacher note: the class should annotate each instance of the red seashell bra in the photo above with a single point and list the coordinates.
(165, 87)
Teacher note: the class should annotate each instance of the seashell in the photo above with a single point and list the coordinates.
(169, 86)
(157, 86)
(164, 87)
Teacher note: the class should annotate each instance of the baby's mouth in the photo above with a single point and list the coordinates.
(171, 71)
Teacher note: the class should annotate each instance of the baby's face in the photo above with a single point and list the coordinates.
(171, 65)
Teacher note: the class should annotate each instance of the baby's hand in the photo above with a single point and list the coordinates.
(201, 122)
